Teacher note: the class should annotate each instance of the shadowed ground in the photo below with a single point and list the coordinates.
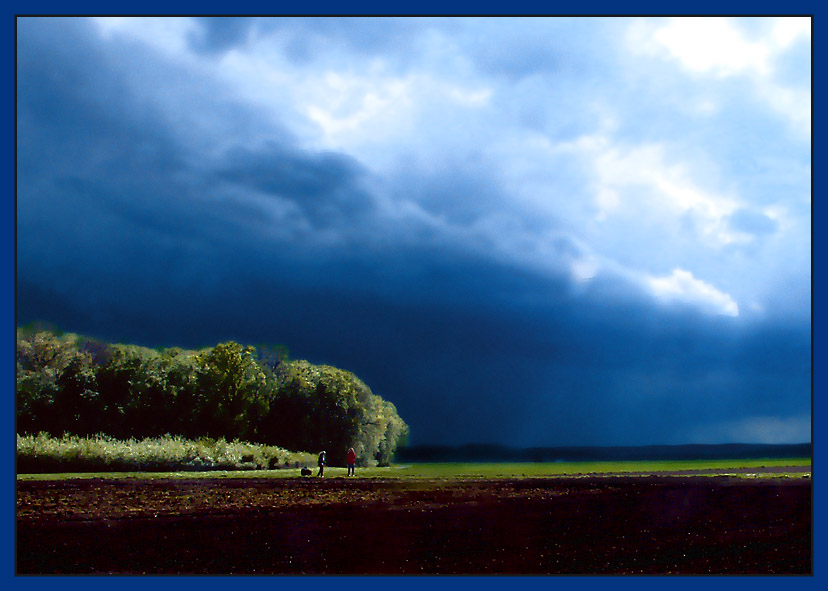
(588, 525)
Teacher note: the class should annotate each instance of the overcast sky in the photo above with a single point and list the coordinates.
(586, 231)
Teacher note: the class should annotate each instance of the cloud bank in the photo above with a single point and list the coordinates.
(526, 231)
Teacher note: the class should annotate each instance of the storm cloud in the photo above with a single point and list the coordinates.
(534, 242)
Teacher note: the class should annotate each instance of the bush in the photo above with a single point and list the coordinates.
(42, 453)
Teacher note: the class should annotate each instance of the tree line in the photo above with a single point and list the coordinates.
(71, 384)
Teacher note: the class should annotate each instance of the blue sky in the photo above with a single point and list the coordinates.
(564, 231)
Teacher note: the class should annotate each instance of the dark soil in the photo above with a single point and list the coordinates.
(588, 525)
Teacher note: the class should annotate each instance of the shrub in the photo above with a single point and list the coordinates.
(42, 453)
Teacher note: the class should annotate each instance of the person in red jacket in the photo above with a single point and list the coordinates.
(350, 459)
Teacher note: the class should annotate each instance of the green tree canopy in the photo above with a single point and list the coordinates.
(337, 410)
(69, 384)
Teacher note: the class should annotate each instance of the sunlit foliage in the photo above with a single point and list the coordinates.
(42, 453)
(71, 385)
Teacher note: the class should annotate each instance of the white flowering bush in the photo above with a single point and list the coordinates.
(101, 453)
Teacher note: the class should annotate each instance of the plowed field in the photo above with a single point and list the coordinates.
(585, 525)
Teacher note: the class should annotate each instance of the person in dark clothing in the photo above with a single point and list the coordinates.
(350, 459)
(321, 462)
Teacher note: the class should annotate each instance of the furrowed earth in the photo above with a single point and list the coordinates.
(664, 523)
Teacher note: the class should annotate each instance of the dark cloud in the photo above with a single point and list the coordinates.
(513, 48)
(310, 36)
(439, 338)
(534, 47)
(132, 229)
(305, 38)
(458, 190)
(219, 34)
(325, 186)
(279, 171)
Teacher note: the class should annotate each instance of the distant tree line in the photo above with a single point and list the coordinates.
(71, 384)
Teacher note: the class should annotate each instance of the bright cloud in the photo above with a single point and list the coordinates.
(793, 103)
(584, 268)
(640, 179)
(789, 30)
(350, 106)
(712, 45)
(682, 287)
(720, 47)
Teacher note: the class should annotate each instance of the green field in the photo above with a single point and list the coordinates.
(449, 471)
(539, 470)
